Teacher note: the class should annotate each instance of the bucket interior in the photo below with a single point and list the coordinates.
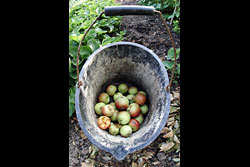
(123, 63)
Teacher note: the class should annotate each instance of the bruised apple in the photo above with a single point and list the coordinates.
(113, 129)
(103, 122)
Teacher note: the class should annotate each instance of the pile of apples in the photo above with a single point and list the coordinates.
(123, 116)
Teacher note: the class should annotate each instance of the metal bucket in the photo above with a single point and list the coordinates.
(130, 63)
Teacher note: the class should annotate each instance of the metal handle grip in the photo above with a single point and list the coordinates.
(128, 10)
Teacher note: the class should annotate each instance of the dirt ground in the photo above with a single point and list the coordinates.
(150, 32)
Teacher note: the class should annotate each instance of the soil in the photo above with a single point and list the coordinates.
(150, 32)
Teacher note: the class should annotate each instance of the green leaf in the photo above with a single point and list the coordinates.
(177, 14)
(111, 40)
(73, 51)
(168, 64)
(71, 109)
(111, 27)
(99, 30)
(74, 37)
(69, 63)
(85, 51)
(73, 75)
(91, 34)
(170, 55)
(107, 41)
(93, 44)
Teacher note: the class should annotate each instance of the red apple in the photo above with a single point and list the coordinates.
(134, 109)
(122, 103)
(134, 124)
(140, 98)
(103, 122)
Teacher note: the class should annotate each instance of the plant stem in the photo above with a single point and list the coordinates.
(173, 15)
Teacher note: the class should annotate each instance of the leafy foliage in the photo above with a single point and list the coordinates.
(169, 64)
(169, 8)
(106, 30)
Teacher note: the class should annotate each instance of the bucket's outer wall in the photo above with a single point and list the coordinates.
(123, 61)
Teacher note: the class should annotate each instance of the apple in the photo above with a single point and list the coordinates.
(108, 110)
(114, 116)
(117, 95)
(123, 117)
(134, 109)
(111, 89)
(118, 125)
(122, 103)
(126, 131)
(134, 124)
(144, 109)
(104, 97)
(122, 88)
(142, 92)
(131, 98)
(140, 98)
(103, 122)
(113, 105)
(113, 129)
(139, 118)
(132, 90)
(98, 108)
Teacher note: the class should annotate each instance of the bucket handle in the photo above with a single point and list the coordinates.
(128, 10)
